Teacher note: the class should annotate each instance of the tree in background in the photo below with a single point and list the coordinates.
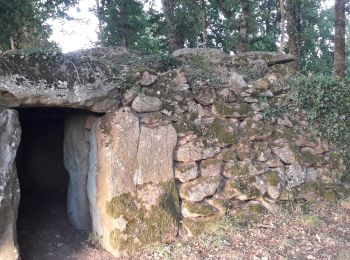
(23, 22)
(243, 25)
(339, 39)
(283, 25)
(231, 25)
(294, 29)
(185, 22)
(121, 22)
(204, 23)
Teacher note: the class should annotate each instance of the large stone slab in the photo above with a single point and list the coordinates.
(76, 161)
(80, 79)
(131, 184)
(9, 187)
(271, 58)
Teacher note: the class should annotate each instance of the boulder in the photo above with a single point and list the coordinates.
(285, 153)
(205, 96)
(199, 189)
(148, 79)
(185, 172)
(10, 133)
(211, 167)
(143, 103)
(194, 151)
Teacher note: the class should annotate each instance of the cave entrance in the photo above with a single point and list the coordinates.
(49, 218)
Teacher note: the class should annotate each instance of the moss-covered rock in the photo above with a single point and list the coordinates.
(228, 154)
(235, 110)
(247, 187)
(222, 130)
(306, 156)
(185, 172)
(256, 130)
(262, 151)
(211, 167)
(200, 209)
(236, 169)
(200, 226)
(144, 224)
(272, 178)
(250, 213)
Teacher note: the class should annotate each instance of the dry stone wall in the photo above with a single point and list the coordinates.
(182, 145)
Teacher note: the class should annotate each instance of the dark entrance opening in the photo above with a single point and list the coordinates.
(43, 228)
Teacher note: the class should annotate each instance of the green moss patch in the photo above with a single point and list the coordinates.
(246, 186)
(220, 129)
(200, 226)
(233, 110)
(160, 223)
(201, 209)
(272, 178)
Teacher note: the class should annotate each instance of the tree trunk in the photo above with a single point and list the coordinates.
(12, 43)
(204, 23)
(339, 39)
(283, 26)
(243, 28)
(98, 11)
(124, 16)
(168, 11)
(294, 29)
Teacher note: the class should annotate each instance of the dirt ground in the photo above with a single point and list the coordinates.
(320, 231)
(44, 231)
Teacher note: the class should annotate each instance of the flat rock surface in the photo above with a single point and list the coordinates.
(82, 79)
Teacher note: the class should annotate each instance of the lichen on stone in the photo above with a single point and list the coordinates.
(246, 186)
(145, 226)
(201, 209)
(220, 130)
(272, 177)
(240, 110)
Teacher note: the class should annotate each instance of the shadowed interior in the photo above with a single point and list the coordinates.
(43, 224)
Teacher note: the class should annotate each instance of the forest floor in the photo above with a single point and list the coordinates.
(300, 231)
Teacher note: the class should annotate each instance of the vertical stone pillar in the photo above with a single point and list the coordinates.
(76, 160)
(10, 134)
(131, 183)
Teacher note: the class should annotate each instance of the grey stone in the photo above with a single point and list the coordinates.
(205, 96)
(148, 79)
(285, 153)
(76, 160)
(136, 163)
(10, 133)
(194, 151)
(143, 103)
(271, 58)
(185, 172)
(61, 80)
(130, 95)
(199, 189)
(212, 55)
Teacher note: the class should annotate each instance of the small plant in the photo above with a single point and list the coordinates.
(311, 221)
(200, 70)
(327, 103)
(345, 203)
(93, 240)
(249, 74)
